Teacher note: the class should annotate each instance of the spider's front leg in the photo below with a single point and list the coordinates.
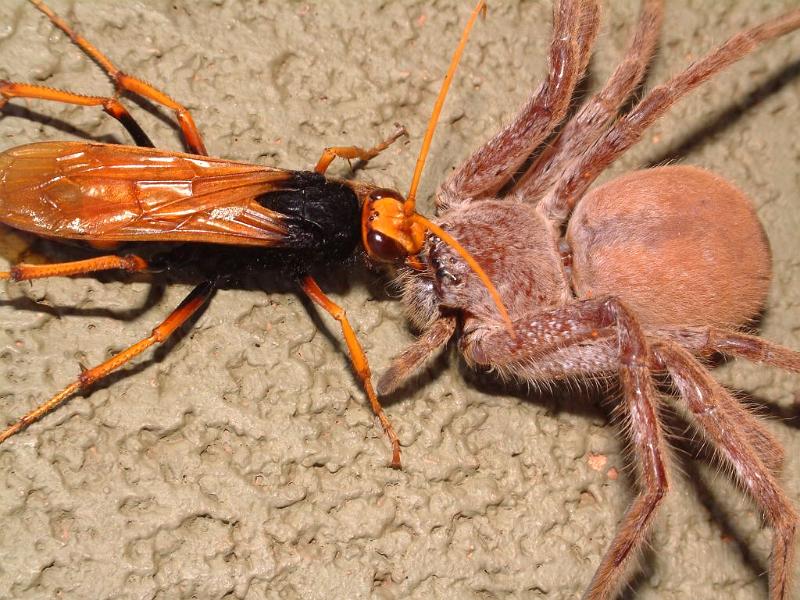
(591, 337)
(490, 167)
(640, 412)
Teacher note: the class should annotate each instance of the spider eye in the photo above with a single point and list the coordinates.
(384, 248)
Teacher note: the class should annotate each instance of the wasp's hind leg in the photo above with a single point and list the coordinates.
(124, 82)
(23, 272)
(111, 106)
(190, 305)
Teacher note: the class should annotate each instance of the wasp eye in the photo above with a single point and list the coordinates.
(384, 248)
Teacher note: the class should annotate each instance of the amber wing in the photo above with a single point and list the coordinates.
(101, 192)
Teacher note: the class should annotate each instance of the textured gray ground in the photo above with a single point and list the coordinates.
(245, 463)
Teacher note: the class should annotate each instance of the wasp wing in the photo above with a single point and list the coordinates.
(100, 192)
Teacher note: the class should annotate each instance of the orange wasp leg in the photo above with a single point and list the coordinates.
(111, 106)
(190, 305)
(357, 357)
(123, 81)
(22, 272)
(352, 152)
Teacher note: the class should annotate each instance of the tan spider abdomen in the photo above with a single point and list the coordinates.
(679, 245)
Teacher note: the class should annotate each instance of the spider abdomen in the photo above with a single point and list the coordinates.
(679, 245)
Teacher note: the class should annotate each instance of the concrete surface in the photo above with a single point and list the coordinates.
(245, 463)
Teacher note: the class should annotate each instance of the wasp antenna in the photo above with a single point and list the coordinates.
(473, 264)
(409, 205)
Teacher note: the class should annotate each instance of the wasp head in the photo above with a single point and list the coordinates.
(388, 233)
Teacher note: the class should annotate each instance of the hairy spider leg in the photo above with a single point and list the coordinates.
(702, 395)
(597, 113)
(573, 183)
(489, 168)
